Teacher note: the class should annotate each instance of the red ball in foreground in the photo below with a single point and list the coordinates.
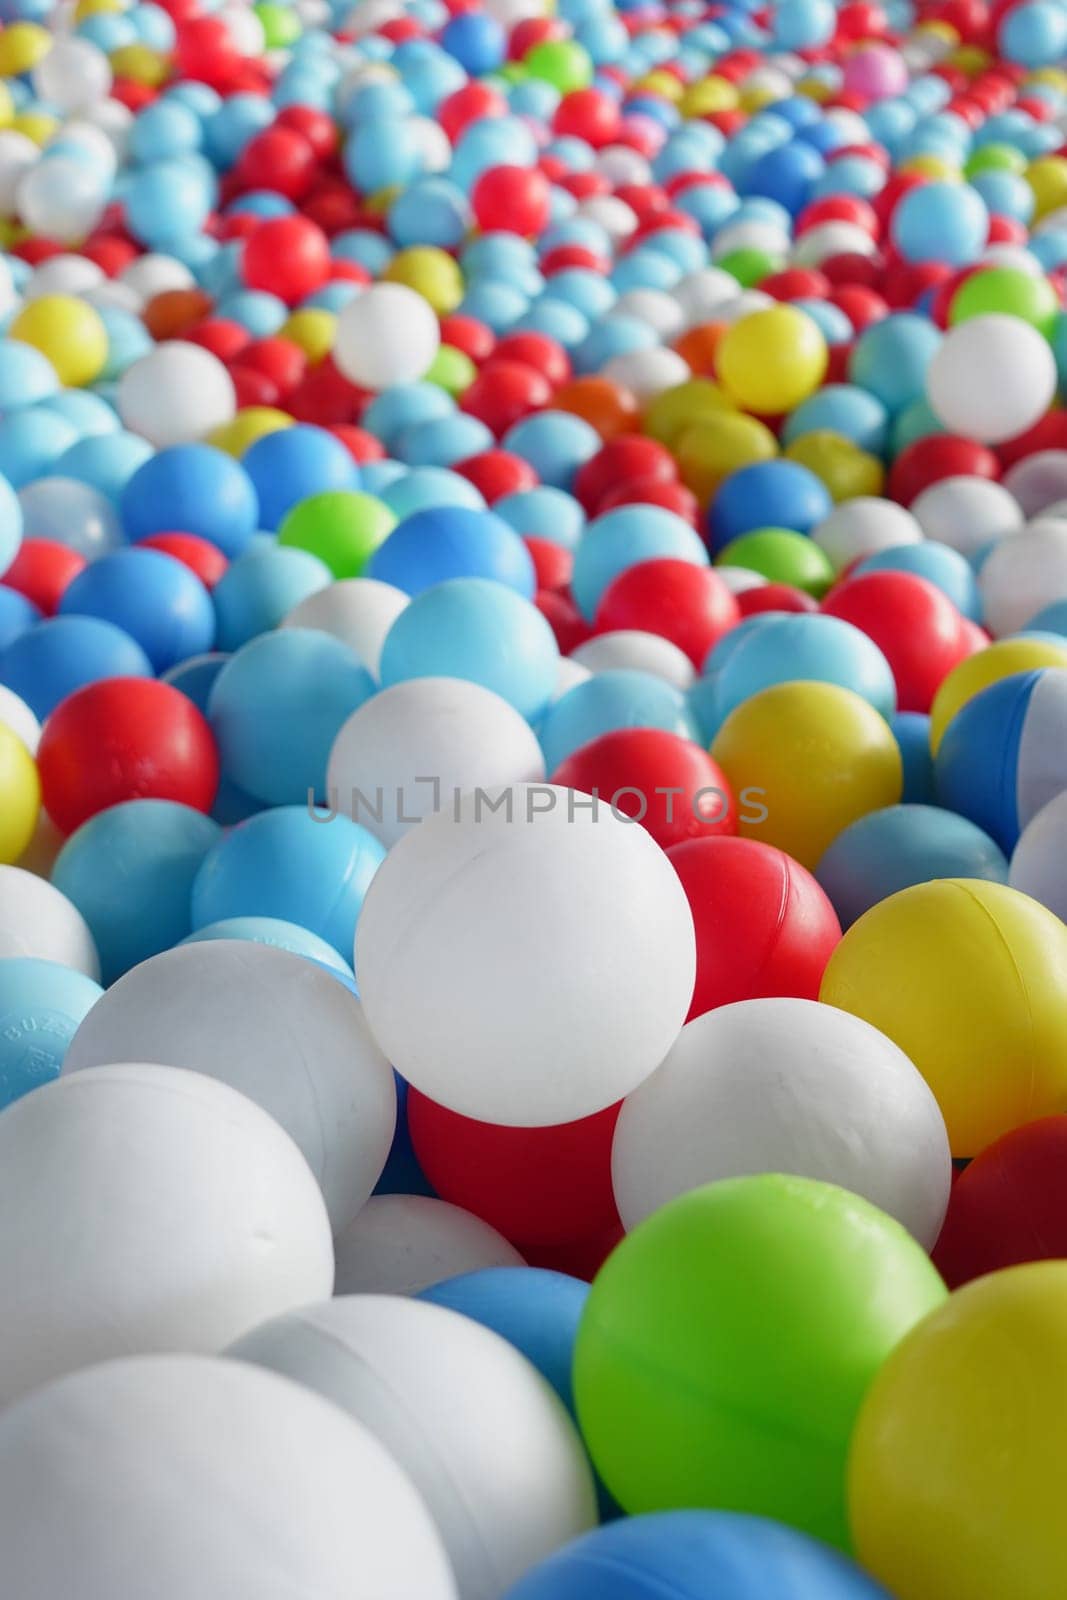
(913, 623)
(668, 784)
(125, 739)
(764, 927)
(537, 1186)
(689, 605)
(42, 570)
(199, 555)
(1009, 1205)
(288, 257)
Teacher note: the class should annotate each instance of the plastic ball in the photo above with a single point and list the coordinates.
(939, 564)
(176, 394)
(152, 597)
(620, 539)
(914, 624)
(1022, 575)
(771, 360)
(816, 648)
(1006, 1207)
(342, 527)
(41, 1006)
(286, 256)
(706, 1285)
(123, 739)
(129, 870)
(682, 602)
(611, 1049)
(408, 751)
(205, 561)
(665, 782)
(387, 335)
(16, 716)
(992, 377)
(447, 541)
(20, 796)
(219, 1511)
(66, 330)
(862, 527)
(67, 512)
(55, 657)
(261, 588)
(940, 222)
(191, 488)
(940, 968)
(358, 611)
(405, 1243)
(977, 670)
(767, 494)
(37, 921)
(967, 514)
(292, 465)
(1036, 868)
(939, 1501)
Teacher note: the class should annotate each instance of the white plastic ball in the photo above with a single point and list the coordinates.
(65, 274)
(646, 373)
(409, 750)
(387, 335)
(660, 311)
(272, 1025)
(16, 715)
(1038, 481)
(244, 28)
(370, 15)
(1039, 863)
(863, 526)
(358, 611)
(526, 965)
(701, 293)
(1014, 256)
(484, 1439)
(621, 165)
(143, 1208)
(739, 579)
(826, 239)
(569, 673)
(629, 649)
(968, 514)
(60, 197)
(176, 394)
(113, 119)
(789, 1086)
(510, 12)
(73, 76)
(991, 377)
(751, 234)
(435, 151)
(156, 274)
(742, 305)
(1023, 575)
(404, 1243)
(9, 299)
(18, 154)
(178, 1476)
(617, 219)
(37, 920)
(111, 295)
(91, 136)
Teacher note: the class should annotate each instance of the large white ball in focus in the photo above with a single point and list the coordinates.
(631, 649)
(272, 1025)
(143, 1208)
(404, 1243)
(862, 527)
(409, 750)
(1039, 862)
(178, 1476)
(358, 611)
(385, 336)
(36, 919)
(483, 1437)
(789, 1086)
(176, 394)
(991, 378)
(968, 514)
(527, 965)
(1023, 575)
(73, 76)
(16, 715)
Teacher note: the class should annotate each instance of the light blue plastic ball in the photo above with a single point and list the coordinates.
(941, 221)
(32, 440)
(166, 202)
(555, 443)
(442, 441)
(891, 357)
(842, 408)
(42, 1006)
(812, 647)
(543, 513)
(392, 412)
(1034, 34)
(423, 488)
(259, 590)
(105, 461)
(620, 539)
(26, 376)
(620, 698)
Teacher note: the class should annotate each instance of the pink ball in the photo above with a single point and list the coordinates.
(876, 72)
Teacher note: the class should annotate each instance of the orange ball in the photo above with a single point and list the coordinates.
(606, 406)
(175, 311)
(697, 346)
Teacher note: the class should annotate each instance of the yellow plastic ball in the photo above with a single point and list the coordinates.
(845, 469)
(970, 979)
(20, 796)
(927, 165)
(37, 126)
(814, 757)
(709, 96)
(665, 84)
(253, 423)
(96, 8)
(143, 65)
(673, 411)
(22, 45)
(988, 666)
(7, 106)
(69, 331)
(431, 273)
(710, 450)
(1047, 178)
(958, 1458)
(771, 360)
(313, 329)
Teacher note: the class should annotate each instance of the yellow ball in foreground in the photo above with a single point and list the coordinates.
(814, 757)
(969, 978)
(69, 331)
(977, 672)
(959, 1456)
(771, 360)
(20, 796)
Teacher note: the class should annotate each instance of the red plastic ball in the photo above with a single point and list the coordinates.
(553, 563)
(536, 1186)
(1008, 1206)
(41, 571)
(913, 623)
(325, 396)
(564, 618)
(288, 257)
(587, 114)
(280, 360)
(361, 445)
(796, 283)
(474, 338)
(1048, 434)
(774, 597)
(222, 337)
(689, 605)
(764, 927)
(861, 304)
(668, 784)
(511, 200)
(469, 104)
(495, 473)
(205, 51)
(314, 125)
(627, 458)
(503, 393)
(536, 350)
(278, 159)
(653, 492)
(939, 455)
(201, 557)
(125, 739)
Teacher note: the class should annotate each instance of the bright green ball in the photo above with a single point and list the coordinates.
(749, 266)
(281, 25)
(995, 158)
(1009, 292)
(782, 556)
(342, 527)
(728, 1342)
(452, 370)
(563, 63)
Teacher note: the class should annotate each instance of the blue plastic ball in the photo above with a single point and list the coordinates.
(911, 730)
(42, 1006)
(815, 648)
(767, 494)
(621, 698)
(890, 358)
(476, 40)
(939, 221)
(292, 464)
(543, 513)
(192, 488)
(453, 542)
(17, 616)
(53, 658)
(260, 588)
(155, 599)
(555, 444)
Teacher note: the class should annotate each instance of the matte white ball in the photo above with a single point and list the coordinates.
(785, 1086)
(404, 1243)
(154, 274)
(176, 394)
(568, 673)
(275, 1027)
(1039, 863)
(751, 234)
(526, 965)
(743, 305)
(700, 293)
(16, 715)
(73, 76)
(659, 310)
(484, 1439)
(175, 1476)
(968, 514)
(991, 378)
(387, 335)
(1038, 481)
(1021, 576)
(143, 1208)
(36, 919)
(632, 649)
(358, 611)
(863, 526)
(74, 275)
(409, 750)
(62, 197)
(617, 219)
(621, 165)
(826, 239)
(646, 373)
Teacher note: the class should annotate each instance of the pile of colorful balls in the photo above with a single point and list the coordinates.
(533, 799)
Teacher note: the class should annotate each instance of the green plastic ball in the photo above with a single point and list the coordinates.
(342, 527)
(281, 25)
(749, 266)
(782, 556)
(452, 370)
(1008, 292)
(563, 63)
(728, 1343)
